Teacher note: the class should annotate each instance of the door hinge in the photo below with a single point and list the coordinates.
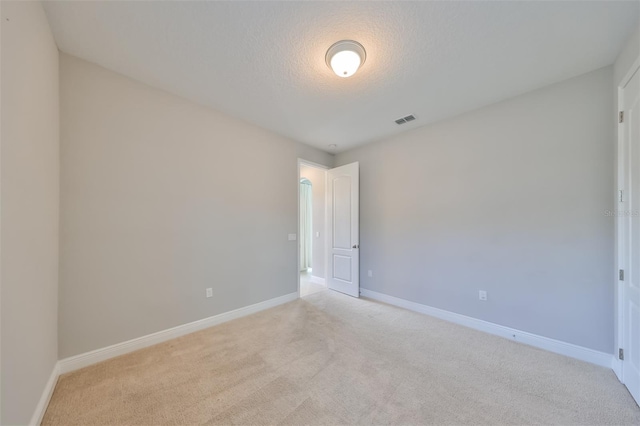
(621, 117)
(621, 354)
(620, 193)
(621, 274)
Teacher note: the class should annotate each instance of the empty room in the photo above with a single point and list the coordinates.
(315, 212)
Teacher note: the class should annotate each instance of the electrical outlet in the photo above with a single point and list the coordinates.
(209, 292)
(482, 295)
(370, 273)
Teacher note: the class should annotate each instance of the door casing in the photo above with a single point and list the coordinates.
(317, 166)
(621, 230)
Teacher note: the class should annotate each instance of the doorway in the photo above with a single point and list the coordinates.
(330, 257)
(627, 366)
(312, 217)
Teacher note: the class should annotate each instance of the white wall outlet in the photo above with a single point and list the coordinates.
(209, 292)
(482, 295)
(292, 237)
(317, 234)
(370, 273)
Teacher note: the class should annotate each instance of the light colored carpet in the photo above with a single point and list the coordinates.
(333, 359)
(307, 287)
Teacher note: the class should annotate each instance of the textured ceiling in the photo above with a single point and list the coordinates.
(264, 62)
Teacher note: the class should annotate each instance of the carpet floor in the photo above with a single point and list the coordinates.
(307, 287)
(332, 359)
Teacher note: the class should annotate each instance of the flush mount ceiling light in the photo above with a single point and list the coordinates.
(345, 57)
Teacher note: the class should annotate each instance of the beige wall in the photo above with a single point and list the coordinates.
(317, 178)
(162, 198)
(30, 194)
(510, 199)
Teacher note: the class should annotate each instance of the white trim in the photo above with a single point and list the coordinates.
(630, 73)
(620, 225)
(41, 408)
(312, 164)
(83, 360)
(308, 163)
(619, 236)
(557, 346)
(616, 366)
(316, 280)
(298, 163)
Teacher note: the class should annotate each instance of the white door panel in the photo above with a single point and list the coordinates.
(343, 222)
(629, 225)
(342, 211)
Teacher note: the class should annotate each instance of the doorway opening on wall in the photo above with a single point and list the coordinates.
(312, 217)
(627, 275)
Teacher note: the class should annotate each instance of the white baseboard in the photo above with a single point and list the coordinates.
(557, 346)
(316, 280)
(41, 408)
(83, 360)
(616, 366)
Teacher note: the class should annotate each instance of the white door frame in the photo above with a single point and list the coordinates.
(304, 162)
(620, 227)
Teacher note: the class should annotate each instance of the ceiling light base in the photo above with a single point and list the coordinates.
(345, 57)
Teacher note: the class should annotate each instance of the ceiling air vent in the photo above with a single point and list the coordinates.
(405, 119)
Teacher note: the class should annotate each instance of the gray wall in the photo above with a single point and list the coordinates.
(509, 199)
(627, 56)
(29, 192)
(317, 177)
(162, 198)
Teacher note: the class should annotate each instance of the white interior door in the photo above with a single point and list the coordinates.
(629, 237)
(343, 272)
